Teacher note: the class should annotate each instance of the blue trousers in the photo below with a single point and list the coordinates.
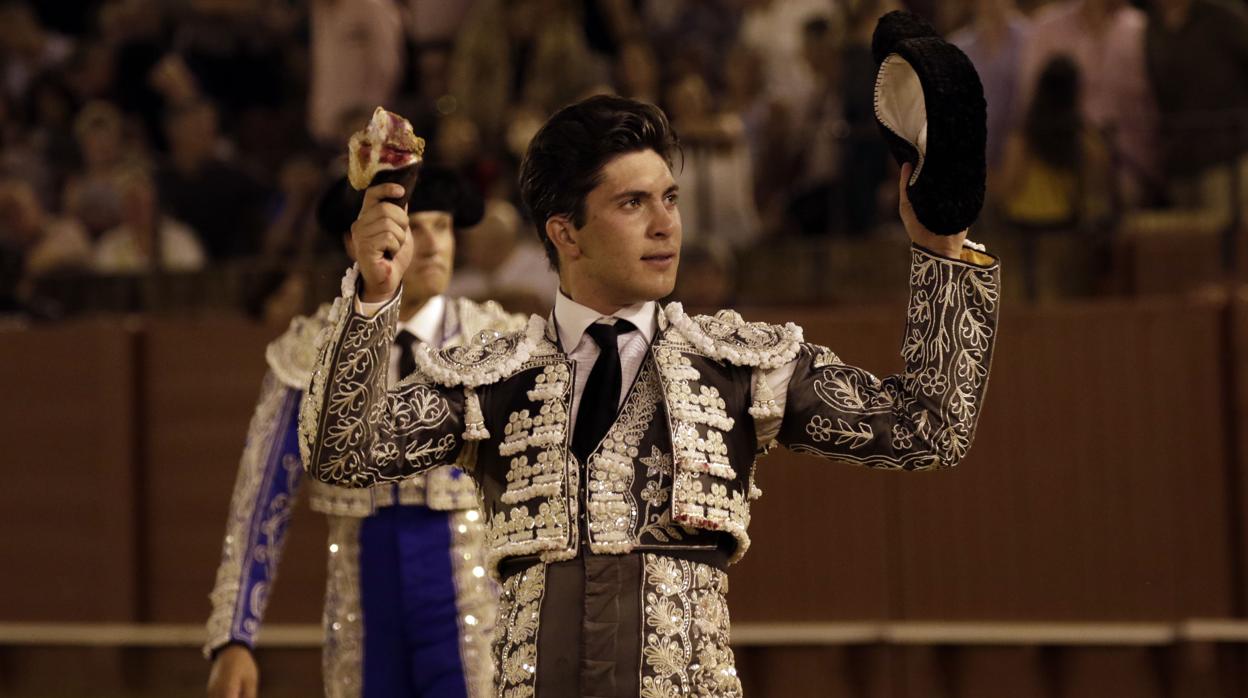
(407, 593)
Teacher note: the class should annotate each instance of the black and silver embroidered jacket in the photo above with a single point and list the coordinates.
(680, 462)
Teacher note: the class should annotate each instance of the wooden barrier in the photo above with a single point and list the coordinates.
(70, 537)
(202, 381)
(1107, 484)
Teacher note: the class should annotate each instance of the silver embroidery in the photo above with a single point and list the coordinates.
(342, 659)
(925, 417)
(274, 407)
(685, 649)
(476, 598)
(537, 474)
(292, 357)
(612, 508)
(515, 637)
(704, 492)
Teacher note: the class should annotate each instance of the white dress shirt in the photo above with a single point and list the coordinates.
(572, 319)
(427, 324)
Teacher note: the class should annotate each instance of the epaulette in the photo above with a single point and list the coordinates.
(485, 359)
(292, 356)
(477, 317)
(726, 336)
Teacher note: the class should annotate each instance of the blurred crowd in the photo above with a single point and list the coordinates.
(146, 139)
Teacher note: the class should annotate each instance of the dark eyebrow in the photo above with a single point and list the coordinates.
(628, 195)
(640, 194)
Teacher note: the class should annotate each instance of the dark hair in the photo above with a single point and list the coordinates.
(1053, 127)
(564, 160)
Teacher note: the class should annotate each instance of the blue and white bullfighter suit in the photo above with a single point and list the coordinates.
(409, 609)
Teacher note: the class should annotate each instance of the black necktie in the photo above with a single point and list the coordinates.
(406, 342)
(601, 399)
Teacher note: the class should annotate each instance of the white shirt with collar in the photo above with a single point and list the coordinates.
(572, 319)
(427, 325)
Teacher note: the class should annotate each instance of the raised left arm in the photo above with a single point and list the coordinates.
(924, 417)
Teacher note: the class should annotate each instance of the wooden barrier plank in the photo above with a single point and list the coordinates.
(203, 377)
(1094, 490)
(1236, 365)
(68, 501)
(820, 532)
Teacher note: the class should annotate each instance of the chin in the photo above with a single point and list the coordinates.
(655, 291)
(428, 284)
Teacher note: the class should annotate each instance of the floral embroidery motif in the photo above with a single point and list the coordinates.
(925, 417)
(612, 505)
(487, 360)
(515, 636)
(656, 517)
(685, 649)
(359, 443)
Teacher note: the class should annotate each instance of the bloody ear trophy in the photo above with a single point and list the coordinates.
(384, 151)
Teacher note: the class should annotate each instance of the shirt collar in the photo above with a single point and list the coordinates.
(426, 324)
(572, 319)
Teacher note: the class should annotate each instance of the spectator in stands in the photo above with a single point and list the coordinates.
(817, 200)
(716, 177)
(145, 233)
(199, 186)
(994, 40)
(866, 165)
(236, 55)
(1055, 174)
(609, 24)
(637, 71)
(137, 33)
(1198, 65)
(499, 265)
(357, 58)
(27, 49)
(693, 37)
(50, 113)
(33, 242)
(765, 122)
(774, 30)
(527, 53)
(292, 235)
(91, 193)
(1105, 39)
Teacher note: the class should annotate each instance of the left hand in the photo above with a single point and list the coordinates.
(946, 245)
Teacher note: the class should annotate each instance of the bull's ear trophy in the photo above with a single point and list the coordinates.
(386, 150)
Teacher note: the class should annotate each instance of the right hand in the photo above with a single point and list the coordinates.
(381, 227)
(234, 674)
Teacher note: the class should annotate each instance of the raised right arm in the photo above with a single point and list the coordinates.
(355, 433)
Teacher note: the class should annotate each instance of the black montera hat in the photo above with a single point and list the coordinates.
(438, 189)
(930, 105)
(441, 189)
(338, 208)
